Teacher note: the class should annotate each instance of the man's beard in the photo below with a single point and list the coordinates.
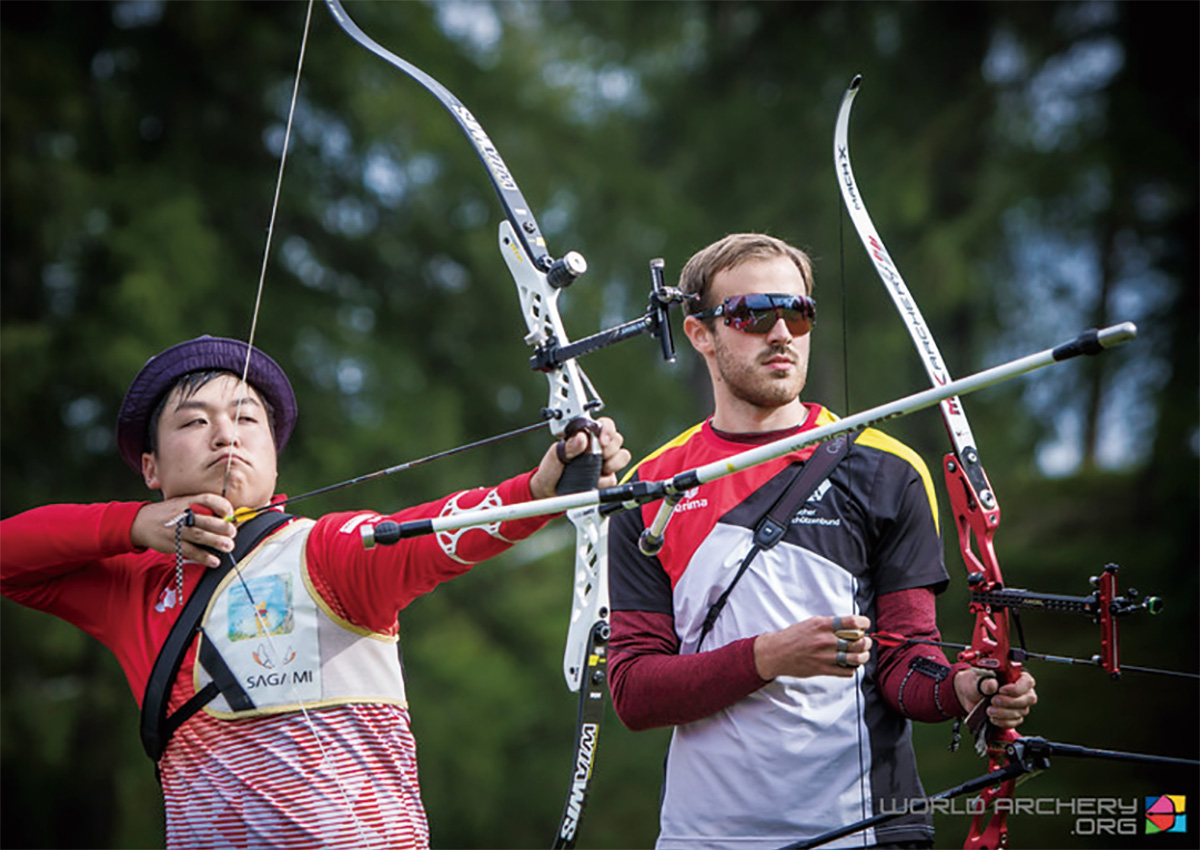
(749, 382)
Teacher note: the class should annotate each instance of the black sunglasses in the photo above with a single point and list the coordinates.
(758, 312)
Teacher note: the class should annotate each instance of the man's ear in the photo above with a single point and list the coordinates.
(699, 335)
(150, 471)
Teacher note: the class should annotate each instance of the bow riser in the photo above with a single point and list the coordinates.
(989, 829)
(589, 597)
(571, 393)
(990, 645)
(572, 398)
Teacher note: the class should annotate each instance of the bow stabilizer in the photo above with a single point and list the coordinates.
(627, 496)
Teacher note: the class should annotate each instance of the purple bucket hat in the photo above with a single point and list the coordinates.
(206, 352)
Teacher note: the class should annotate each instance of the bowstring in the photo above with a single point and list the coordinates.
(259, 616)
(262, 274)
(859, 673)
(845, 318)
(859, 718)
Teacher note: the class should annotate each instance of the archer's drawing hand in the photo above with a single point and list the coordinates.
(819, 646)
(614, 457)
(154, 527)
(1009, 704)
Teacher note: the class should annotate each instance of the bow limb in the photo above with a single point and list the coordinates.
(539, 280)
(572, 401)
(976, 511)
(516, 209)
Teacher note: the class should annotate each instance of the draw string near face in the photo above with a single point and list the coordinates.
(262, 275)
(259, 615)
(187, 518)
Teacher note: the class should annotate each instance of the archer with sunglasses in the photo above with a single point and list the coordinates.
(754, 645)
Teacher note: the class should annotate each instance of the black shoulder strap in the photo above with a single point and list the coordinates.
(154, 725)
(774, 524)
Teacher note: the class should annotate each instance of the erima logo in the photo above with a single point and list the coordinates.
(821, 490)
(690, 502)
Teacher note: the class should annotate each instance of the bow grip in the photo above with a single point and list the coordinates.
(581, 473)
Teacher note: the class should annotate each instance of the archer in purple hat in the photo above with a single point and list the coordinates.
(169, 384)
(263, 654)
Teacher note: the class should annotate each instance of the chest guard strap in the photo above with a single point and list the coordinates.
(778, 518)
(156, 727)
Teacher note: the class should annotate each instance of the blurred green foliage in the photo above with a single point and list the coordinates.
(1032, 167)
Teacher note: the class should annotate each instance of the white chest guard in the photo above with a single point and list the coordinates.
(271, 644)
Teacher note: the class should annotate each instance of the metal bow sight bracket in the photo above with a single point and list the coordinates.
(657, 320)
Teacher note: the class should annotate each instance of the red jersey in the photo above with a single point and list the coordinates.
(343, 776)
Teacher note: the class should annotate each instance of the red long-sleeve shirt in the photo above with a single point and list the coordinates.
(653, 685)
(342, 776)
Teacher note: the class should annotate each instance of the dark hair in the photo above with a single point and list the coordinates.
(188, 385)
(732, 250)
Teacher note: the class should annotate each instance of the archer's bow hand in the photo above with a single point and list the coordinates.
(613, 457)
(1008, 705)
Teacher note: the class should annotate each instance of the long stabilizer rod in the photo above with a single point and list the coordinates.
(386, 532)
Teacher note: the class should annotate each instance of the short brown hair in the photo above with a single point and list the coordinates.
(732, 250)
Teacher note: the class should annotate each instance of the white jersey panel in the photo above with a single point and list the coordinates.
(815, 773)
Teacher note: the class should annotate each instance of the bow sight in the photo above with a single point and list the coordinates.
(1104, 605)
(550, 355)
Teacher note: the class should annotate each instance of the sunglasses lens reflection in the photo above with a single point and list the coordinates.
(758, 313)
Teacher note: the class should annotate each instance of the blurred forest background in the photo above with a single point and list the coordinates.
(1031, 166)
